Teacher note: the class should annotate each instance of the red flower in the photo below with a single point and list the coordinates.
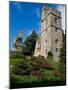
(46, 65)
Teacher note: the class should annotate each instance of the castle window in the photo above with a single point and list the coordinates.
(46, 30)
(57, 49)
(56, 29)
(38, 49)
(46, 41)
(56, 20)
(57, 41)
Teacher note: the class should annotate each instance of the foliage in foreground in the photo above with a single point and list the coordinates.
(31, 65)
(32, 81)
(29, 44)
(35, 72)
(63, 56)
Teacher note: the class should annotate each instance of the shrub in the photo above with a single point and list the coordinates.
(37, 73)
(16, 54)
(22, 67)
(46, 66)
(38, 60)
(27, 65)
(59, 74)
(33, 81)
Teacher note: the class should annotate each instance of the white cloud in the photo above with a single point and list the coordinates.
(61, 8)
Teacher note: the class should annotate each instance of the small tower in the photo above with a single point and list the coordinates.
(18, 43)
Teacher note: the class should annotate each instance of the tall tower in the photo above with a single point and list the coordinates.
(51, 32)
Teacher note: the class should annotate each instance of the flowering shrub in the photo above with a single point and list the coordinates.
(47, 66)
(36, 73)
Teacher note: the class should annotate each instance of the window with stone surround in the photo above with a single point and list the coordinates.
(56, 41)
(38, 49)
(57, 49)
(56, 20)
(46, 30)
(56, 29)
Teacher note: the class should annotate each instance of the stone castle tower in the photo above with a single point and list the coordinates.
(18, 43)
(51, 34)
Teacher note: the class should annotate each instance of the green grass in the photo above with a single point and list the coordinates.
(49, 74)
(56, 66)
(24, 78)
(17, 81)
(13, 61)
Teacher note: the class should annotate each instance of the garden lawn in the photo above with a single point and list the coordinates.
(13, 61)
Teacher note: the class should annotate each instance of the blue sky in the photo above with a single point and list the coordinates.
(26, 17)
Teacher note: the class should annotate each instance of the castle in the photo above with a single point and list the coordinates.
(51, 34)
(50, 38)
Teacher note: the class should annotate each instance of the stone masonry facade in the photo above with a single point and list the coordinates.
(51, 34)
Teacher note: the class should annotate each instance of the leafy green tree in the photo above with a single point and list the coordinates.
(62, 56)
(63, 51)
(29, 44)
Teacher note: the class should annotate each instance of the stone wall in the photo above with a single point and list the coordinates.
(51, 34)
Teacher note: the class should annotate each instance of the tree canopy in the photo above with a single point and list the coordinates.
(63, 50)
(29, 44)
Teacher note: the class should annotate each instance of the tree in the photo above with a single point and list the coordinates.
(63, 51)
(63, 57)
(29, 44)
